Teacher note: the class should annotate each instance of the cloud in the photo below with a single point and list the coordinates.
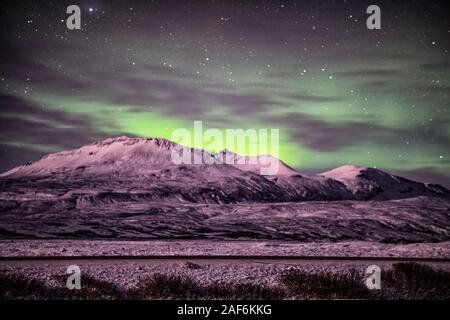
(26, 124)
(313, 98)
(328, 136)
(147, 87)
(366, 73)
(438, 66)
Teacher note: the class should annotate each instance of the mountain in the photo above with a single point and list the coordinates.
(144, 168)
(127, 156)
(116, 156)
(371, 183)
(130, 188)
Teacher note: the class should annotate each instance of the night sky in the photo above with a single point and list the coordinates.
(338, 92)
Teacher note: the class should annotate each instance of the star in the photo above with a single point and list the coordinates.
(340, 77)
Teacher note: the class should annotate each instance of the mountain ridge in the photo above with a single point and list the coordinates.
(148, 160)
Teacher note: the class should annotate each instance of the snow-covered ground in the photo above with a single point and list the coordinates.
(10, 248)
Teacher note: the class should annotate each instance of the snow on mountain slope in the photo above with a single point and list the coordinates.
(371, 183)
(142, 169)
(261, 164)
(120, 155)
(137, 156)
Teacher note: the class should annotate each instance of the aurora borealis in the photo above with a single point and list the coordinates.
(338, 92)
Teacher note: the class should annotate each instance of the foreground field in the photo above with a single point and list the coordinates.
(401, 281)
(119, 270)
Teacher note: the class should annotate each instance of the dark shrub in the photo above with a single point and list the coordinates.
(414, 281)
(325, 285)
(161, 286)
(403, 281)
(91, 289)
(243, 291)
(14, 286)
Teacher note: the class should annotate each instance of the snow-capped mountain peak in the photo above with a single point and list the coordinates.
(140, 156)
(372, 183)
(260, 164)
(343, 172)
(120, 153)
